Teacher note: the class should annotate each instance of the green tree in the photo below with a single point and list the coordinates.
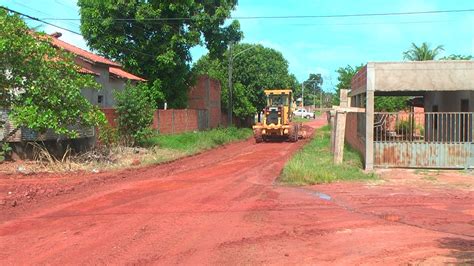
(135, 110)
(422, 52)
(153, 38)
(41, 85)
(254, 70)
(344, 78)
(457, 57)
(390, 103)
(381, 104)
(312, 89)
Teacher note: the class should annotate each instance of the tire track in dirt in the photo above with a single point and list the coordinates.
(218, 207)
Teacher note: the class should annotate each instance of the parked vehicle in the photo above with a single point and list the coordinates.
(303, 113)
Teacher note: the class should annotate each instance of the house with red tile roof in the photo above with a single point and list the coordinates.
(107, 73)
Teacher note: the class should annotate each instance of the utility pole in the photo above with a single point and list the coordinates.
(229, 111)
(302, 95)
(321, 100)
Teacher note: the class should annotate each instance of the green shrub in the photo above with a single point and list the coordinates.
(135, 110)
(5, 151)
(108, 135)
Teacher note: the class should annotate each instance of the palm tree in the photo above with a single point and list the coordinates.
(422, 52)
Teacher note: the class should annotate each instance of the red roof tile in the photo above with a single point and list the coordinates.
(83, 53)
(114, 68)
(87, 71)
(123, 74)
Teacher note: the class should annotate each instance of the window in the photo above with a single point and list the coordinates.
(100, 100)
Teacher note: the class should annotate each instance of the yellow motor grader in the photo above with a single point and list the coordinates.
(276, 121)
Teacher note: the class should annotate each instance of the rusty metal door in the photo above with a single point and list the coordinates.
(424, 140)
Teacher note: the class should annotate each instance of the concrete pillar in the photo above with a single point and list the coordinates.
(344, 99)
(339, 137)
(369, 118)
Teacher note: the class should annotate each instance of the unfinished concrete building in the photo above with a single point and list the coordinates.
(440, 136)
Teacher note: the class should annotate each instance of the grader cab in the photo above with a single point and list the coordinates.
(276, 121)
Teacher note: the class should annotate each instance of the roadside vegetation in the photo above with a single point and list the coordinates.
(193, 142)
(313, 164)
(300, 119)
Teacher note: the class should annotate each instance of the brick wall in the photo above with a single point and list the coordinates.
(206, 95)
(204, 102)
(360, 79)
(169, 121)
(173, 121)
(110, 115)
(353, 138)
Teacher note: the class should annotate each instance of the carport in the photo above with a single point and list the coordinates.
(437, 136)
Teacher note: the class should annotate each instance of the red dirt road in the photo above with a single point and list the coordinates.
(224, 207)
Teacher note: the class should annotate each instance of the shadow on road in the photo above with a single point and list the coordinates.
(461, 249)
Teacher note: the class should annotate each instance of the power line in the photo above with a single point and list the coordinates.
(39, 20)
(68, 30)
(39, 11)
(289, 16)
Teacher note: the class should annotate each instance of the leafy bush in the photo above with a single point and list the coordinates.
(135, 110)
(5, 151)
(390, 103)
(108, 135)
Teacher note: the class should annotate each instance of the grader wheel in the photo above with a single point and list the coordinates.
(293, 136)
(257, 133)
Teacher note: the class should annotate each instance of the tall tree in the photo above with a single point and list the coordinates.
(41, 86)
(255, 69)
(344, 78)
(422, 52)
(312, 89)
(153, 38)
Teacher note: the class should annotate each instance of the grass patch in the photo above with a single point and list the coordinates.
(301, 119)
(193, 142)
(313, 164)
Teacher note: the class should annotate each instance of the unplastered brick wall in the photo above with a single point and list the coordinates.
(206, 95)
(169, 121)
(352, 136)
(176, 121)
(204, 110)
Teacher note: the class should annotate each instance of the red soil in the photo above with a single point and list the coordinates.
(223, 206)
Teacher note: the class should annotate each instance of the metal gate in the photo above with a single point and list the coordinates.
(424, 139)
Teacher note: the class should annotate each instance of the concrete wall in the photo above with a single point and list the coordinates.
(109, 85)
(448, 101)
(424, 75)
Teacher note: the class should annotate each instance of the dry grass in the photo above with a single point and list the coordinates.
(160, 148)
(116, 157)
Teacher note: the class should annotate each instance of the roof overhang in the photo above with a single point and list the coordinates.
(412, 78)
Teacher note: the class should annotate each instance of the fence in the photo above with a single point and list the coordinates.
(429, 139)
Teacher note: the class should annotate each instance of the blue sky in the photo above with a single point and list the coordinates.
(320, 45)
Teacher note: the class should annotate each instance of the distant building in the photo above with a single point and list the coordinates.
(107, 73)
